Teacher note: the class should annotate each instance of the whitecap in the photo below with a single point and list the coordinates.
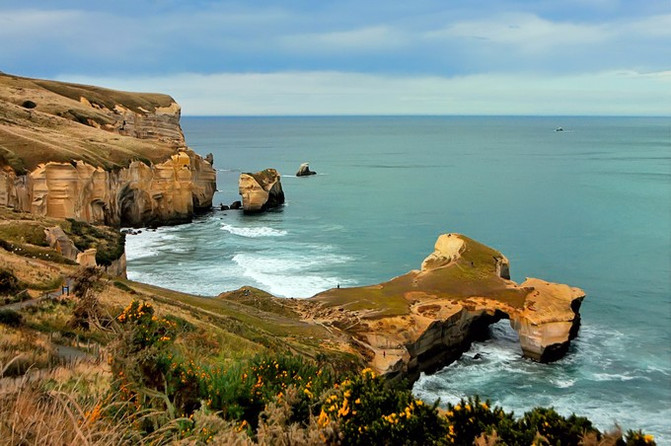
(563, 383)
(291, 275)
(253, 232)
(612, 377)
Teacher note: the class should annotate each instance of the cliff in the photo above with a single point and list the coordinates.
(97, 155)
(427, 318)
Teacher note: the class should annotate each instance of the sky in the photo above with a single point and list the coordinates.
(365, 57)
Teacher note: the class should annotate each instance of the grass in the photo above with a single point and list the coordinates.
(27, 232)
(61, 128)
(137, 102)
(109, 243)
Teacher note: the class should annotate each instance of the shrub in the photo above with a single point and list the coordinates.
(9, 284)
(368, 411)
(10, 318)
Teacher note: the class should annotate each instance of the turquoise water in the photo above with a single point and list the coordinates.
(590, 206)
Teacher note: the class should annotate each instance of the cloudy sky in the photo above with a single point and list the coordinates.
(307, 57)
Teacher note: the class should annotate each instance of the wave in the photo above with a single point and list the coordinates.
(253, 232)
(291, 275)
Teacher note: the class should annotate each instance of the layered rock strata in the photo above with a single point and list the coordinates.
(427, 318)
(141, 194)
(98, 155)
(260, 191)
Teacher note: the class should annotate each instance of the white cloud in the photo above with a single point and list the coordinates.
(524, 31)
(23, 22)
(656, 26)
(332, 93)
(361, 39)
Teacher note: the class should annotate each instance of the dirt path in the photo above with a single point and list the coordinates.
(29, 303)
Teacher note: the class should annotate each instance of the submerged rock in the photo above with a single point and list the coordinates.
(304, 170)
(260, 191)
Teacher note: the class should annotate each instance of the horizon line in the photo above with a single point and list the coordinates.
(345, 115)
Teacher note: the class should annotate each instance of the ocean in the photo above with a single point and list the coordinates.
(589, 206)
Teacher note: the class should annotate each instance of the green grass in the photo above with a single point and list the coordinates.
(109, 242)
(35, 252)
(32, 233)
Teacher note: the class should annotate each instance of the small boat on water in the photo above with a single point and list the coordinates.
(559, 129)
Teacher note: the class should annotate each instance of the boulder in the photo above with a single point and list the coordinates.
(260, 191)
(236, 205)
(61, 243)
(304, 170)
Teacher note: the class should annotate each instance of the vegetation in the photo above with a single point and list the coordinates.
(120, 362)
(156, 393)
(9, 284)
(109, 244)
(10, 318)
(62, 126)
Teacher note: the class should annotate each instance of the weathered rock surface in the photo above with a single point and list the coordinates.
(60, 242)
(304, 170)
(164, 193)
(427, 318)
(260, 191)
(98, 155)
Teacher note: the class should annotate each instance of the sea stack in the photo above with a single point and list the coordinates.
(304, 170)
(260, 191)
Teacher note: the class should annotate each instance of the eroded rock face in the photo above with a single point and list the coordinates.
(426, 319)
(61, 243)
(260, 191)
(169, 192)
(98, 155)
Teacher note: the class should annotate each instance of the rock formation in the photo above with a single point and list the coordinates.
(98, 155)
(304, 170)
(59, 241)
(260, 191)
(426, 319)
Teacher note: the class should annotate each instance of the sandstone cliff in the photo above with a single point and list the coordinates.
(97, 155)
(260, 191)
(426, 319)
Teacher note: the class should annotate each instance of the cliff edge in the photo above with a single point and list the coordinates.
(427, 318)
(97, 155)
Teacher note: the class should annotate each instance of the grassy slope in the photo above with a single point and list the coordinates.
(53, 131)
(474, 274)
(235, 325)
(23, 234)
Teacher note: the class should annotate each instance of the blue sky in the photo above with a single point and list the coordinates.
(604, 57)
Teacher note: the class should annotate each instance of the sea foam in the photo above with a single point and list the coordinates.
(253, 232)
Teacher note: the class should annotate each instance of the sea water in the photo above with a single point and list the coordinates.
(589, 206)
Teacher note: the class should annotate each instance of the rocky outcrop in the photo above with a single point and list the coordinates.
(98, 155)
(139, 195)
(60, 242)
(427, 318)
(260, 191)
(304, 170)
